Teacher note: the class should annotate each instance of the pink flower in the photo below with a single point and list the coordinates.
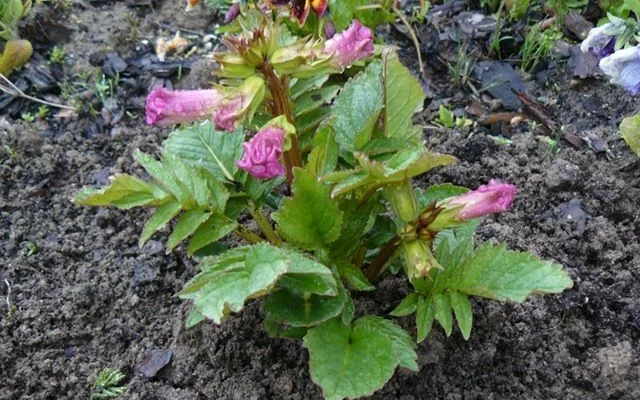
(493, 198)
(232, 13)
(351, 45)
(262, 153)
(167, 107)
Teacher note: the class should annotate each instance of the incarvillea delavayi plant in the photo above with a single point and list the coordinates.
(306, 153)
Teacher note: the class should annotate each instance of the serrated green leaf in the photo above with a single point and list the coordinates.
(500, 274)
(212, 230)
(187, 224)
(630, 132)
(309, 219)
(463, 312)
(358, 216)
(193, 319)
(443, 312)
(159, 220)
(355, 277)
(223, 288)
(403, 345)
(349, 311)
(302, 86)
(306, 123)
(195, 184)
(200, 144)
(295, 309)
(344, 12)
(403, 97)
(425, 314)
(124, 192)
(349, 361)
(163, 175)
(324, 155)
(357, 108)
(407, 306)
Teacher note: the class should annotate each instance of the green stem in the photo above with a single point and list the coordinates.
(246, 235)
(264, 224)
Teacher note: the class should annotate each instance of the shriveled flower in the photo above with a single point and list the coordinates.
(191, 4)
(623, 67)
(168, 107)
(488, 199)
(600, 40)
(262, 153)
(351, 45)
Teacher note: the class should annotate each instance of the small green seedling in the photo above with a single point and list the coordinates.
(32, 248)
(57, 55)
(108, 384)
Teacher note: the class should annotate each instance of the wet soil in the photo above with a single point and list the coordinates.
(78, 295)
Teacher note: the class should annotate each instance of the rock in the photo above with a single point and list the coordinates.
(572, 211)
(562, 175)
(143, 273)
(502, 80)
(154, 362)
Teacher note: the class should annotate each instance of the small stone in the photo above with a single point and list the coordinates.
(562, 175)
(154, 362)
(143, 273)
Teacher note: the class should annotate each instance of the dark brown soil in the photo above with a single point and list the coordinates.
(89, 298)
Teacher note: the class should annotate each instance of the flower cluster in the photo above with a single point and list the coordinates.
(262, 153)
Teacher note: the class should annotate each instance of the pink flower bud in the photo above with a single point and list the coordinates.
(166, 107)
(351, 45)
(493, 198)
(262, 153)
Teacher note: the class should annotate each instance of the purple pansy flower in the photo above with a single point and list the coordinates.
(600, 41)
(623, 67)
(351, 45)
(262, 153)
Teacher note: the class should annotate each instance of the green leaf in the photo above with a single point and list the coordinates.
(226, 281)
(276, 329)
(355, 277)
(230, 279)
(407, 306)
(357, 108)
(446, 117)
(159, 220)
(324, 155)
(403, 344)
(163, 175)
(436, 193)
(307, 122)
(200, 144)
(425, 314)
(355, 361)
(124, 192)
(404, 97)
(187, 224)
(302, 86)
(307, 275)
(315, 99)
(630, 132)
(310, 219)
(443, 312)
(464, 314)
(344, 12)
(372, 173)
(210, 231)
(295, 309)
(358, 216)
(500, 274)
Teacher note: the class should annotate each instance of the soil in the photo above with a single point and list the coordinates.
(78, 295)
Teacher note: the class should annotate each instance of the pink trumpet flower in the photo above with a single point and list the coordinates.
(167, 107)
(493, 198)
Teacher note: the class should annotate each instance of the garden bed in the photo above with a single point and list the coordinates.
(81, 295)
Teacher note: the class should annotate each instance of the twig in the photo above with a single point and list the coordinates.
(9, 88)
(414, 38)
(7, 300)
